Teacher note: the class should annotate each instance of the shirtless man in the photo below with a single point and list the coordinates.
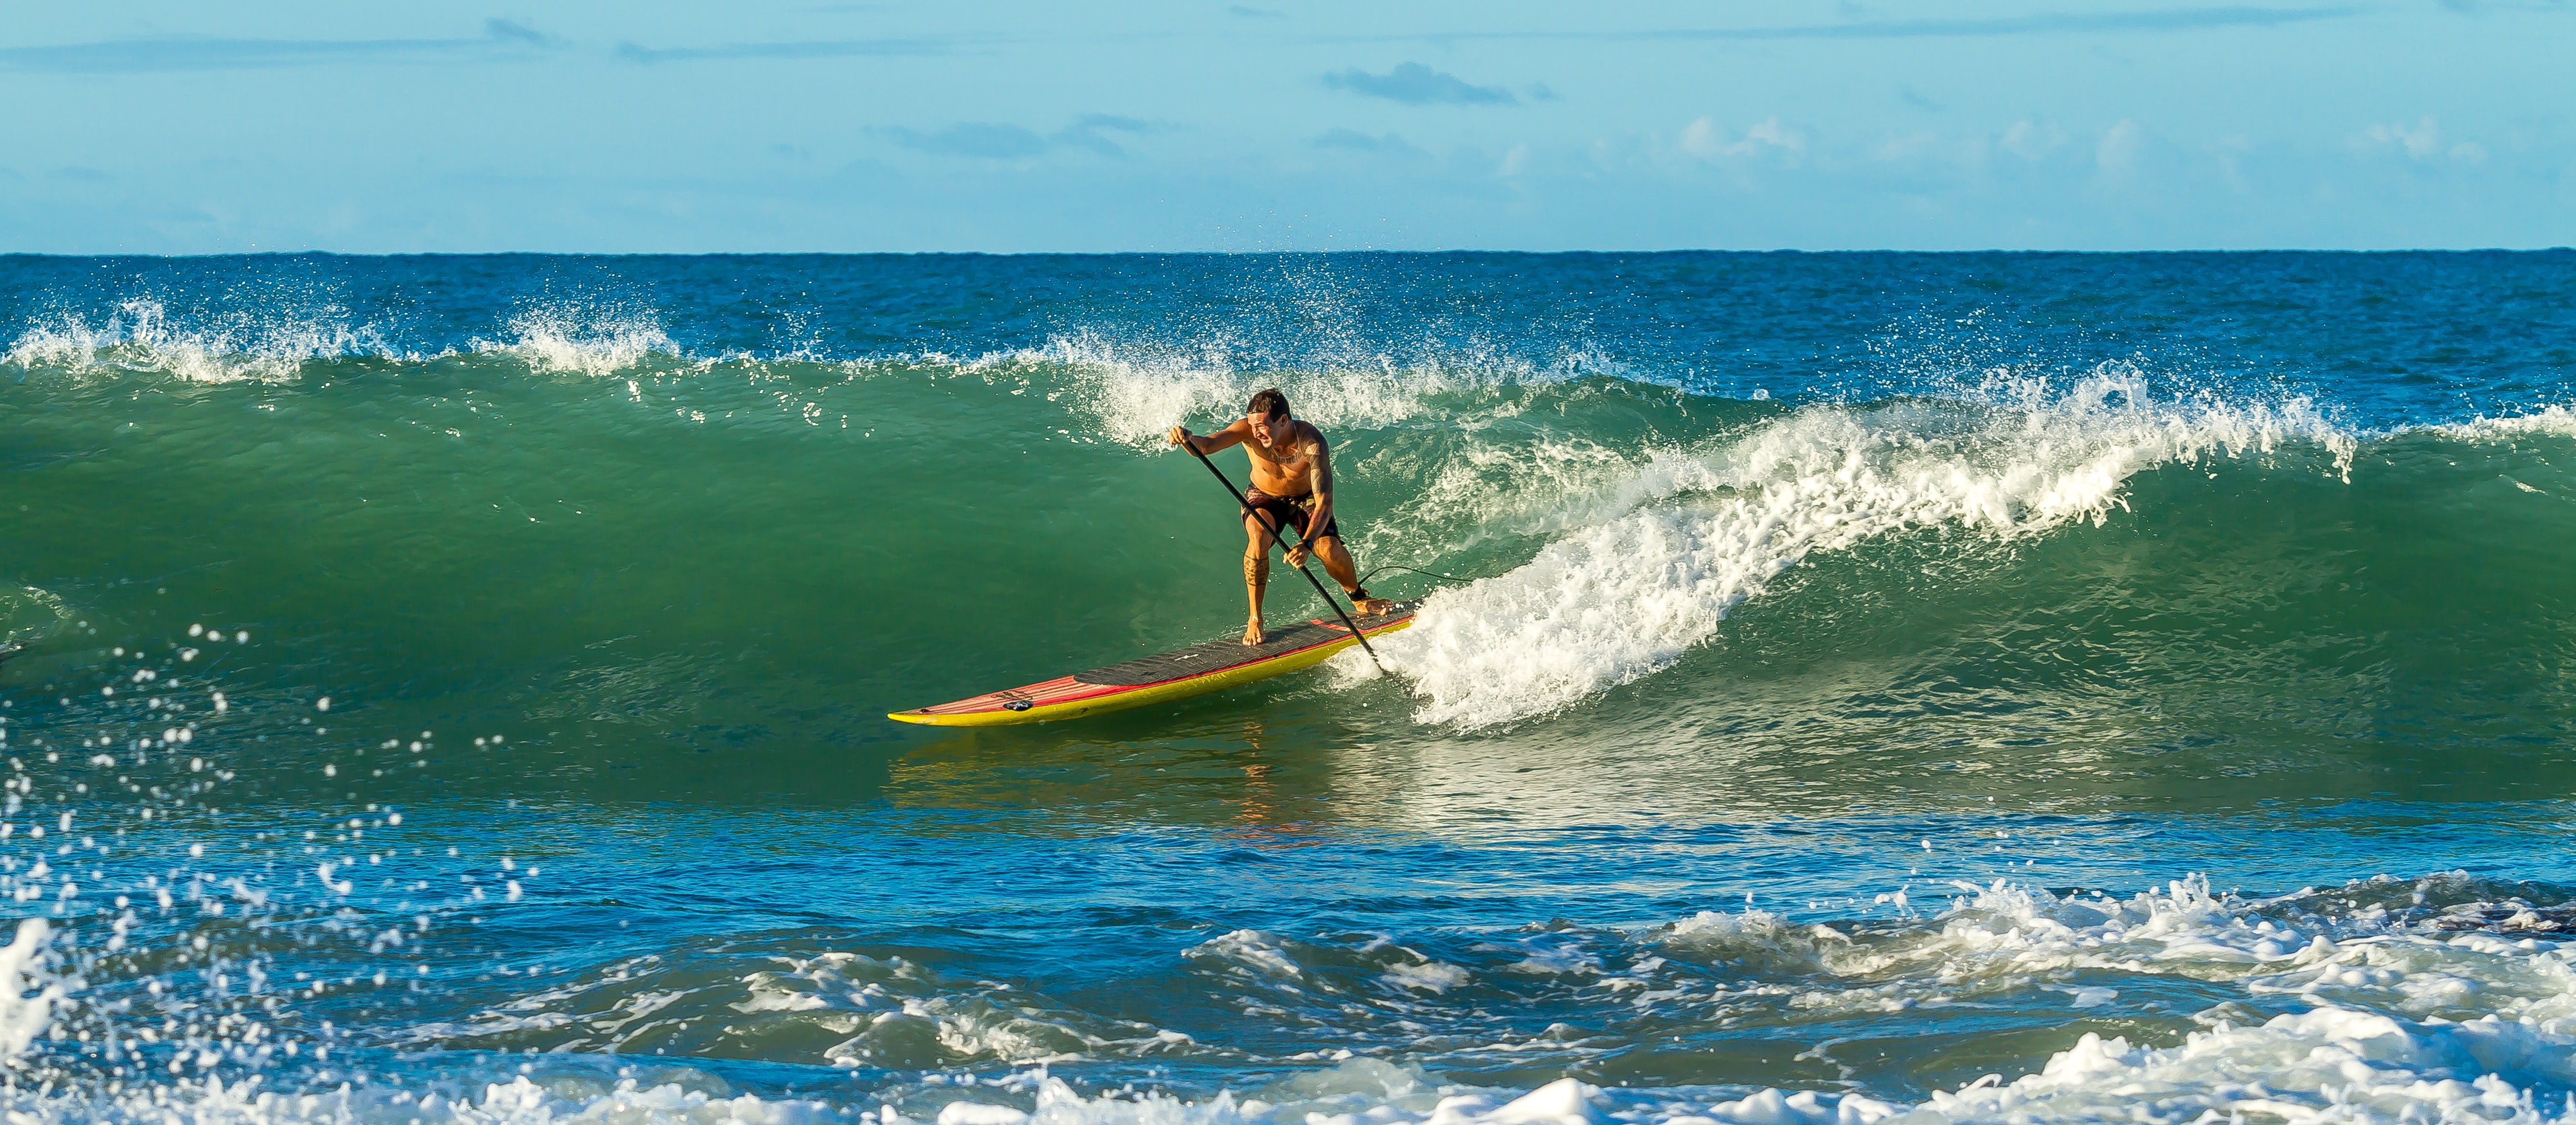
(1292, 487)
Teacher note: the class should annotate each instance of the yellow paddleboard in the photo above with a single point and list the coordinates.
(1198, 669)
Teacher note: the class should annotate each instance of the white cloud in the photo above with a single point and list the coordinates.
(2031, 141)
(2424, 140)
(2420, 142)
(1907, 147)
(1771, 133)
(1701, 139)
(1705, 140)
(2117, 152)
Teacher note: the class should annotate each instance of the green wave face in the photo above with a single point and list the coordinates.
(662, 558)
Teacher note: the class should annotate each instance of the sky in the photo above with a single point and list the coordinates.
(171, 128)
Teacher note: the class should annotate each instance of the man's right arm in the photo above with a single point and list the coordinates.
(1209, 443)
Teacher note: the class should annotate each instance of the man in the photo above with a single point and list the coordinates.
(1292, 487)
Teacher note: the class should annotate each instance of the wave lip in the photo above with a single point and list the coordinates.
(1700, 532)
(570, 340)
(2554, 420)
(1133, 393)
(141, 336)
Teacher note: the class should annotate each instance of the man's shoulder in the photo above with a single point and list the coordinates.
(1312, 434)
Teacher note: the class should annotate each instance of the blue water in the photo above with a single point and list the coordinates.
(1969, 687)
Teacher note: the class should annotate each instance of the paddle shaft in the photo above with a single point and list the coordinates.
(1273, 533)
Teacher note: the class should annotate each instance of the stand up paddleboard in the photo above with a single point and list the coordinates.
(1196, 670)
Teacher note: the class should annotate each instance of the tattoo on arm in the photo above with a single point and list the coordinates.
(1323, 488)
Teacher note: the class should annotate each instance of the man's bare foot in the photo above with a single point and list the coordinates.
(1252, 631)
(1373, 607)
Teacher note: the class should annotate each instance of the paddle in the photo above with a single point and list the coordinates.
(1273, 535)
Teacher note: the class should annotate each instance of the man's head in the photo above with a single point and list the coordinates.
(1268, 413)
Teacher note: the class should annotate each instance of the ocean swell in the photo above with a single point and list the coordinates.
(1704, 530)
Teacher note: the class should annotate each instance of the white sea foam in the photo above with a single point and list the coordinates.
(1249, 952)
(2402, 1020)
(518, 1101)
(889, 1012)
(28, 989)
(2553, 420)
(2327, 1066)
(2395, 1018)
(1425, 976)
(1655, 562)
(575, 340)
(1369, 1092)
(1133, 393)
(142, 336)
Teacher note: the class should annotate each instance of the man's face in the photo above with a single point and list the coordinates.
(1270, 429)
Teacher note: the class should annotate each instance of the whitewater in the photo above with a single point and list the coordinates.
(1849, 689)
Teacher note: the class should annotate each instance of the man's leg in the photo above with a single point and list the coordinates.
(1256, 570)
(1337, 562)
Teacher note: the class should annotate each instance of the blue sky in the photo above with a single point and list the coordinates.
(178, 128)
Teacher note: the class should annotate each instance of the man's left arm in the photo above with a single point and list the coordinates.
(1322, 517)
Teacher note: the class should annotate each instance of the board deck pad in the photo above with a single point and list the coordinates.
(1209, 666)
(1212, 656)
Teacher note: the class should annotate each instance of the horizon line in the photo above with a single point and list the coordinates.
(310, 253)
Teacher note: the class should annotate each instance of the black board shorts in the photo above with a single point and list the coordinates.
(1290, 513)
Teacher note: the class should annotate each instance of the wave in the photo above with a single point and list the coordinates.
(581, 340)
(2445, 997)
(141, 336)
(2427, 999)
(834, 1008)
(1134, 392)
(2416, 1003)
(2551, 420)
(1661, 558)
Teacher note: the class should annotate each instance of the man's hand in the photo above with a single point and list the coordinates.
(1298, 555)
(1179, 435)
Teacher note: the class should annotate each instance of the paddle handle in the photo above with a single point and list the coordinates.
(1237, 493)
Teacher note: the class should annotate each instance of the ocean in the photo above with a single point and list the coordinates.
(1852, 688)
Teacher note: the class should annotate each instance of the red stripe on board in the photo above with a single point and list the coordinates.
(1070, 689)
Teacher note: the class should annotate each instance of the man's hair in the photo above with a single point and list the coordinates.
(1267, 403)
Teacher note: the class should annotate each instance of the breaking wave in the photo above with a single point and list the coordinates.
(1663, 556)
(142, 336)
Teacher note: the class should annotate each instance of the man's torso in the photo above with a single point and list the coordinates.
(1288, 471)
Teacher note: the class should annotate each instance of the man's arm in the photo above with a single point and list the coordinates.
(1323, 514)
(1209, 443)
